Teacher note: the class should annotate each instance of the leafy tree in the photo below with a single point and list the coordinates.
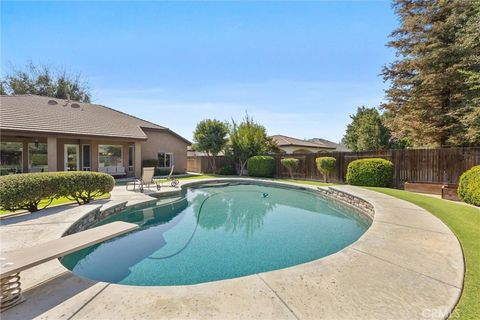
(291, 164)
(210, 136)
(435, 82)
(325, 165)
(366, 131)
(247, 139)
(43, 81)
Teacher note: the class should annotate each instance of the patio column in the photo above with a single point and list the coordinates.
(138, 159)
(52, 154)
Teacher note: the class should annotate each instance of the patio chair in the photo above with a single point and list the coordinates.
(145, 181)
(170, 178)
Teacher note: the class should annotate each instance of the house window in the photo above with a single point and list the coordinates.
(11, 154)
(131, 157)
(37, 157)
(165, 160)
(86, 156)
(109, 155)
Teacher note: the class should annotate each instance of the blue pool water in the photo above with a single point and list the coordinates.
(218, 232)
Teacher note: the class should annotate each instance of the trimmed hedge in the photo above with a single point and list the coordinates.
(149, 163)
(25, 191)
(84, 186)
(227, 170)
(469, 186)
(325, 165)
(291, 164)
(373, 172)
(261, 166)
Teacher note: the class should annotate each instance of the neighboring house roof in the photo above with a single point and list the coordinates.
(283, 141)
(51, 115)
(337, 146)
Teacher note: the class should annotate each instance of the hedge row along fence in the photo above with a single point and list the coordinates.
(374, 172)
(443, 165)
(26, 191)
(261, 166)
(469, 186)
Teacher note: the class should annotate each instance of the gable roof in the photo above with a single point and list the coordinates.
(52, 115)
(283, 141)
(337, 146)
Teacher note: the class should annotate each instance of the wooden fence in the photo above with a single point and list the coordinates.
(413, 165)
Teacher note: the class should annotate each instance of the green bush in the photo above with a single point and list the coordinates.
(147, 163)
(373, 172)
(469, 186)
(291, 164)
(227, 170)
(261, 166)
(25, 191)
(84, 186)
(325, 165)
(161, 171)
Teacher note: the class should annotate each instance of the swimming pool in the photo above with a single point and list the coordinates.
(219, 231)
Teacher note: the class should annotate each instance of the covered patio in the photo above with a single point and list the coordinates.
(32, 152)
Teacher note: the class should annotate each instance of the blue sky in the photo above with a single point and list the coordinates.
(299, 68)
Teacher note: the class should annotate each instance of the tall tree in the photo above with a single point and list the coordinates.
(248, 139)
(430, 97)
(210, 136)
(366, 131)
(43, 81)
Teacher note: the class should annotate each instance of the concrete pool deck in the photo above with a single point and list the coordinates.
(407, 265)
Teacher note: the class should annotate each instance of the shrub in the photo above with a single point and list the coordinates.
(325, 165)
(469, 186)
(149, 163)
(291, 164)
(25, 191)
(83, 186)
(161, 171)
(261, 166)
(227, 170)
(373, 172)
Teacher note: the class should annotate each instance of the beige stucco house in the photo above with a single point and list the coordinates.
(48, 134)
(292, 145)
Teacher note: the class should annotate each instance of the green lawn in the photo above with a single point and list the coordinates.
(464, 221)
(57, 202)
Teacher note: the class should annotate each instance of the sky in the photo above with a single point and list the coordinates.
(299, 68)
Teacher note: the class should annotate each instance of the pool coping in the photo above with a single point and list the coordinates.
(429, 290)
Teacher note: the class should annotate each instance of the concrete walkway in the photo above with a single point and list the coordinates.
(408, 265)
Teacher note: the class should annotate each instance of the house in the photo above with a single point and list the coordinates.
(48, 134)
(291, 145)
(337, 146)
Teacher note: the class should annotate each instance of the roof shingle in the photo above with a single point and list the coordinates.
(35, 113)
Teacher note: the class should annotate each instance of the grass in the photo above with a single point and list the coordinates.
(464, 221)
(55, 202)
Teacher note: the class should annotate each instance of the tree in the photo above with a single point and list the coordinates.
(435, 82)
(247, 139)
(291, 164)
(325, 165)
(366, 131)
(43, 81)
(210, 136)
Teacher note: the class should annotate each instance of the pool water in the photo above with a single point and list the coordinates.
(218, 232)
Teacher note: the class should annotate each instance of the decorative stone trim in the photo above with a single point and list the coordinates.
(94, 216)
(348, 199)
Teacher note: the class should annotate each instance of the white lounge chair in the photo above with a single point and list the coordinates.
(170, 178)
(145, 181)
